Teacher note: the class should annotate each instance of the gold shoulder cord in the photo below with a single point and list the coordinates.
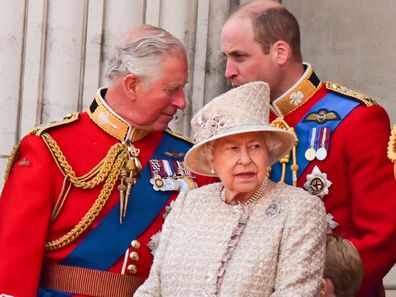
(11, 159)
(281, 123)
(108, 171)
(392, 149)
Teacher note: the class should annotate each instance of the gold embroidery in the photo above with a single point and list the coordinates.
(111, 123)
(332, 86)
(70, 118)
(292, 100)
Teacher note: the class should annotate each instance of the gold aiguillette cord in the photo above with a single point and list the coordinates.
(128, 177)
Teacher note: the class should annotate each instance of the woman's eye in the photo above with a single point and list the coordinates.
(255, 146)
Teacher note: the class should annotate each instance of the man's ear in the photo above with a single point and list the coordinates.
(130, 83)
(280, 52)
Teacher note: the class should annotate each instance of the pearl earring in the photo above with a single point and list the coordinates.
(212, 171)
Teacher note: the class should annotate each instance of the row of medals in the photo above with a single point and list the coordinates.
(180, 181)
(320, 153)
(322, 136)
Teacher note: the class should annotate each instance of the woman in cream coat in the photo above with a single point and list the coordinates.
(243, 236)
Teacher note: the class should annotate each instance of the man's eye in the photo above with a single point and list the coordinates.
(239, 57)
(172, 90)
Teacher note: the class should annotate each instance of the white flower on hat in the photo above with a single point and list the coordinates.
(210, 123)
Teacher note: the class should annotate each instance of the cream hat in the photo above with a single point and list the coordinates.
(240, 110)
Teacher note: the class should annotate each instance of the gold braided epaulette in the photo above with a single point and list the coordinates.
(70, 118)
(37, 131)
(180, 136)
(337, 88)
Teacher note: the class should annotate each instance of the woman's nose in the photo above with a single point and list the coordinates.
(244, 157)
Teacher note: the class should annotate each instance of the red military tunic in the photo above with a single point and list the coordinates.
(356, 172)
(39, 206)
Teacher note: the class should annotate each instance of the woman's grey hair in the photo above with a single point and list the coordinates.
(208, 151)
(141, 51)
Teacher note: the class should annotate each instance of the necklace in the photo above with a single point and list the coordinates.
(256, 196)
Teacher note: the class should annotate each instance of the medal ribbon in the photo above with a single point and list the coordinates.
(324, 138)
(312, 138)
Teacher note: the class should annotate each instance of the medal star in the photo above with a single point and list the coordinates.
(317, 183)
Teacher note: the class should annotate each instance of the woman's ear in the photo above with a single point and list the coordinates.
(130, 83)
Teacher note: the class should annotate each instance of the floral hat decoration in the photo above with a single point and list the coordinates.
(240, 110)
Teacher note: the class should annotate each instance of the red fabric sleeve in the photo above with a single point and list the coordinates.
(373, 188)
(25, 208)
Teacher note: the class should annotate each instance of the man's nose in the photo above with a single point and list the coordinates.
(230, 70)
(179, 99)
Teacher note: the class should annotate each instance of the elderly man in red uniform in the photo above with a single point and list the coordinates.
(84, 197)
(342, 135)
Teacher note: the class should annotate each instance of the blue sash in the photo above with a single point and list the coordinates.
(341, 105)
(52, 293)
(104, 245)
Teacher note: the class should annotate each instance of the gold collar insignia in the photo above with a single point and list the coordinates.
(300, 93)
(112, 123)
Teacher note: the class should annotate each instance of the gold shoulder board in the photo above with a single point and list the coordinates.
(66, 120)
(337, 88)
(180, 136)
